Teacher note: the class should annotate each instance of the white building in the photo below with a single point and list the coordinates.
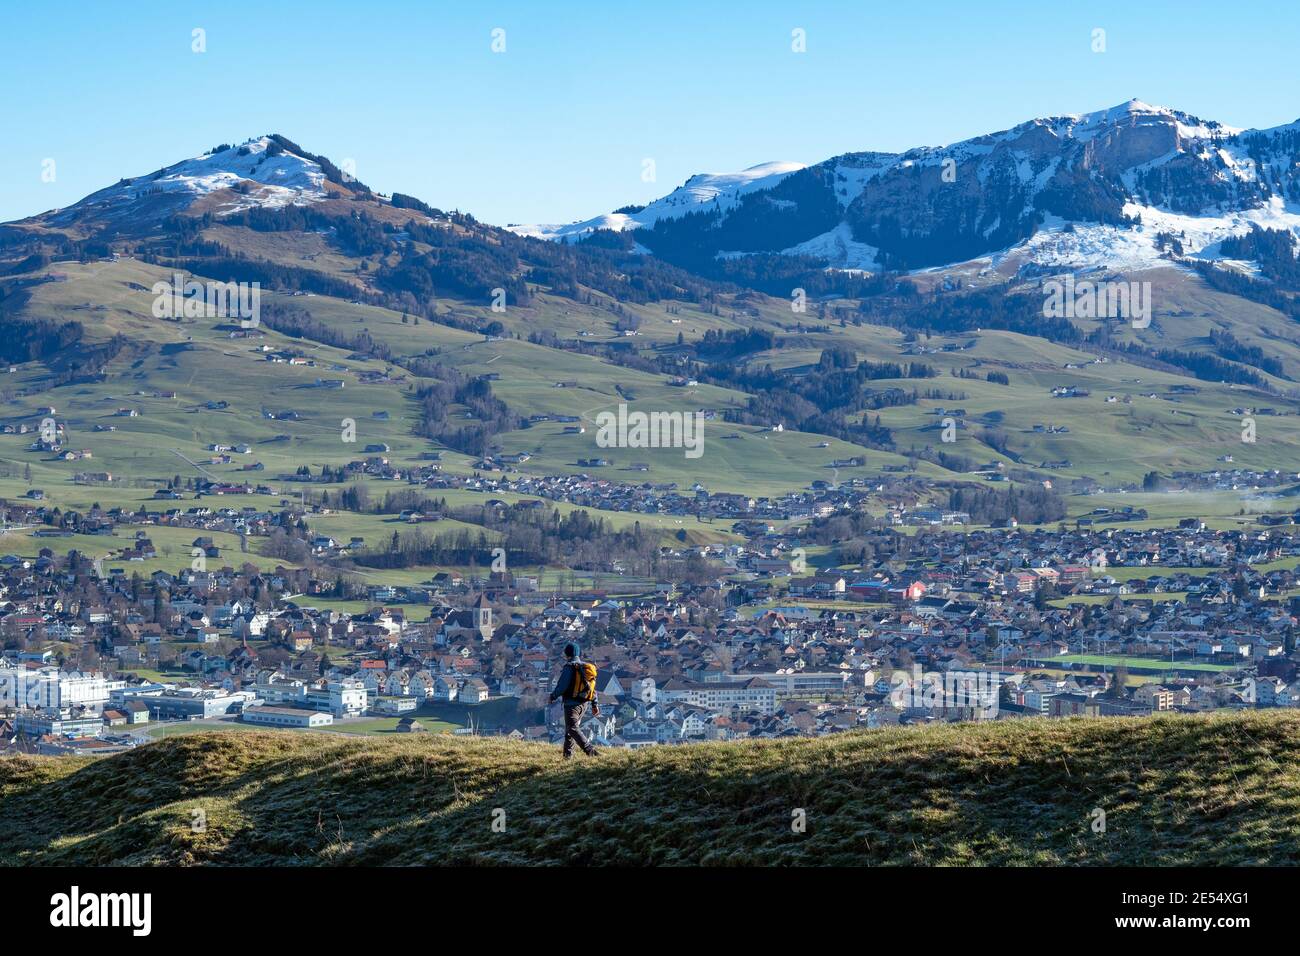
(286, 717)
(49, 687)
(346, 698)
(804, 684)
(752, 694)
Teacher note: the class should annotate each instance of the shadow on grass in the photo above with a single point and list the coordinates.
(1177, 790)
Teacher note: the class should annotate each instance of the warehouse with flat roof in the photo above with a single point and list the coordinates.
(286, 717)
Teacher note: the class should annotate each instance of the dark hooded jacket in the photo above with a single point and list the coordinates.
(564, 685)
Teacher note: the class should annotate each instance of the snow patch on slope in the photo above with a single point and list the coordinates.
(1094, 246)
(839, 249)
(853, 171)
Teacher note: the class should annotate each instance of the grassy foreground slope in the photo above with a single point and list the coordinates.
(1176, 790)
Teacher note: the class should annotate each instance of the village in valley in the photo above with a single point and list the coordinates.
(770, 635)
(635, 437)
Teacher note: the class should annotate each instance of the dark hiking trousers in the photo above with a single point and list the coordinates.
(572, 717)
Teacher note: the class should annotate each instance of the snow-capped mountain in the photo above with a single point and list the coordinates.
(267, 171)
(722, 190)
(286, 176)
(1127, 187)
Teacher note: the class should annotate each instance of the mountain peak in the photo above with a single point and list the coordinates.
(1135, 110)
(1136, 105)
(269, 171)
(264, 160)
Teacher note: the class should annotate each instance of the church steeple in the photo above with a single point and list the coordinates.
(483, 617)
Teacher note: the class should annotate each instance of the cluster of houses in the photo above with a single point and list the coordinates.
(495, 474)
(1196, 619)
(52, 521)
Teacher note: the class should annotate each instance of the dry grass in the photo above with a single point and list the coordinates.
(1176, 791)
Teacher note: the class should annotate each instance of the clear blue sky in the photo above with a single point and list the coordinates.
(556, 127)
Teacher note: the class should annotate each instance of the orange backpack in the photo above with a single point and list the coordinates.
(584, 681)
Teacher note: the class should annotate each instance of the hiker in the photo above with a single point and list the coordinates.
(576, 688)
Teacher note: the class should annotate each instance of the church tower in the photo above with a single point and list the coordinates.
(483, 618)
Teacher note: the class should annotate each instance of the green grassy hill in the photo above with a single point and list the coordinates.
(1134, 420)
(580, 341)
(1175, 790)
